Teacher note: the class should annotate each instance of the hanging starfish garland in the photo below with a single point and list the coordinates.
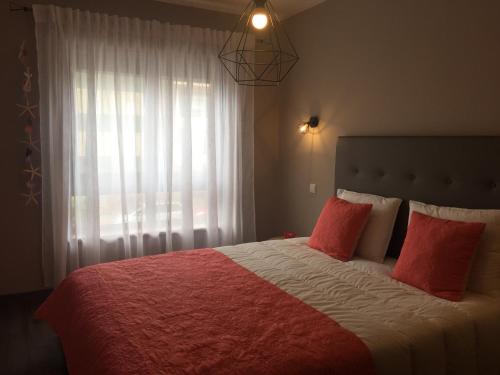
(29, 112)
(27, 108)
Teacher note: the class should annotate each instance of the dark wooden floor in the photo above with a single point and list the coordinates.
(27, 346)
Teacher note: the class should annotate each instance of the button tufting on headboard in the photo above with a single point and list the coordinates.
(438, 170)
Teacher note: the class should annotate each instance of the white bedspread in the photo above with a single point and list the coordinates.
(407, 330)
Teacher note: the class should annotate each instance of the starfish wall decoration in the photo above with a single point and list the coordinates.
(33, 172)
(31, 197)
(28, 109)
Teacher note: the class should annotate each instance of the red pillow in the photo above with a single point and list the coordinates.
(338, 228)
(437, 255)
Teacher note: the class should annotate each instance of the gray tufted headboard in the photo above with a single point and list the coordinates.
(447, 171)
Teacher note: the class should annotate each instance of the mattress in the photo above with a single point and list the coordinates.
(407, 330)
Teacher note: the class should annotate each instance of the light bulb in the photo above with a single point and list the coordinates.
(304, 128)
(259, 20)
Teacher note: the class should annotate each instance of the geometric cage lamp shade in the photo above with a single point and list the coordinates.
(259, 52)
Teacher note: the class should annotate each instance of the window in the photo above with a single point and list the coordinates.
(118, 133)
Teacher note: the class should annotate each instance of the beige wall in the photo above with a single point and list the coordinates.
(267, 187)
(20, 226)
(392, 67)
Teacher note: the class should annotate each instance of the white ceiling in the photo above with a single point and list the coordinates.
(285, 8)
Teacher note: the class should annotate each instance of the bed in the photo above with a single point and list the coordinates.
(280, 307)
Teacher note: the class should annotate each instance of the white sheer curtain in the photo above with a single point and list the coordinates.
(147, 143)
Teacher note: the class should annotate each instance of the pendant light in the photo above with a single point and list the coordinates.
(259, 52)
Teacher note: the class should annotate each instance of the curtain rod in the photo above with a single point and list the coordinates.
(15, 7)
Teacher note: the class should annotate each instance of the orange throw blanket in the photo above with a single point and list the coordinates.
(193, 312)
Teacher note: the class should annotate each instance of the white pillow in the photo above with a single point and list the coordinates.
(377, 234)
(484, 276)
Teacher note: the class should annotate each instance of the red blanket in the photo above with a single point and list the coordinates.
(194, 312)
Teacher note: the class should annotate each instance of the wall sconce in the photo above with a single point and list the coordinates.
(311, 124)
